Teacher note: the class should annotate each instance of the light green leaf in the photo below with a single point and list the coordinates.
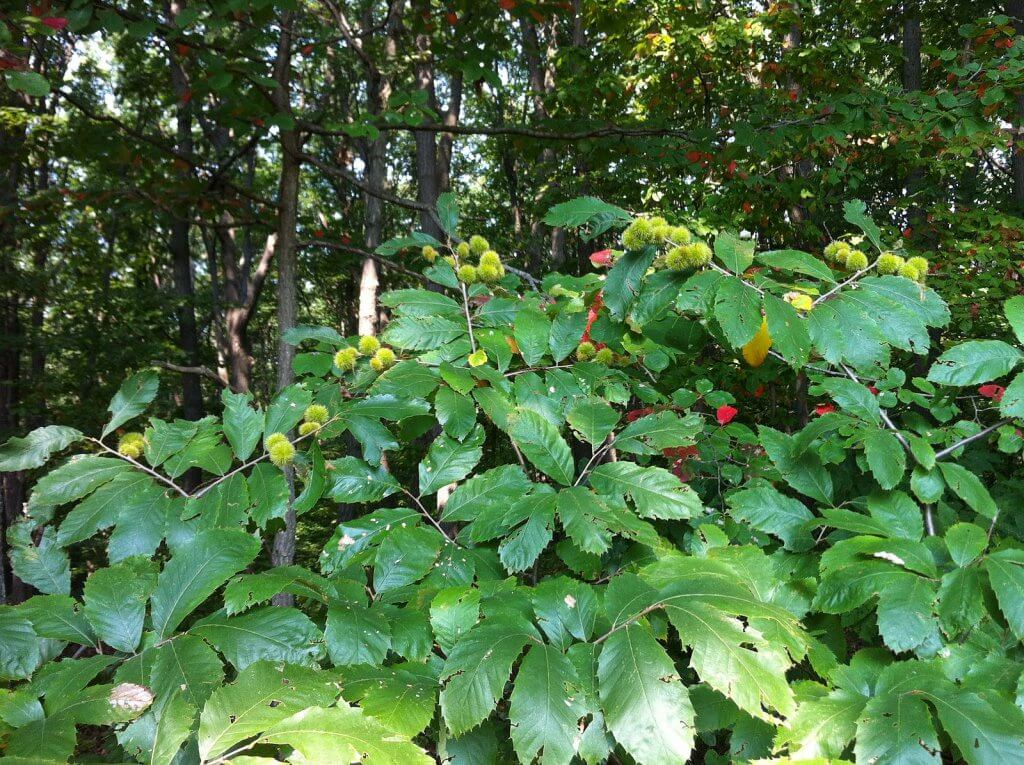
(788, 331)
(886, 457)
(286, 409)
(1006, 575)
(735, 254)
(477, 669)
(545, 707)
(542, 444)
(965, 542)
(449, 461)
(352, 480)
(658, 431)
(264, 694)
(593, 419)
(173, 727)
(45, 565)
(738, 311)
(268, 493)
(129, 493)
(974, 362)
(1014, 310)
(656, 492)
(115, 601)
(243, 425)
(195, 571)
(796, 261)
(423, 333)
(406, 555)
(856, 212)
(29, 83)
(589, 213)
(531, 331)
(969, 488)
(80, 475)
(132, 398)
(622, 284)
(356, 634)
(271, 633)
(646, 707)
(854, 398)
(455, 412)
(35, 449)
(767, 510)
(416, 302)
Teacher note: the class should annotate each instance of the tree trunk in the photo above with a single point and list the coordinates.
(283, 552)
(181, 252)
(1015, 9)
(427, 173)
(912, 82)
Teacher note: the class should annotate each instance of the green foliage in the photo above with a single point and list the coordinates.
(574, 559)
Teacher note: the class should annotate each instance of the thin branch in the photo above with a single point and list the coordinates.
(426, 514)
(964, 441)
(367, 254)
(838, 287)
(629, 621)
(201, 371)
(605, 131)
(140, 466)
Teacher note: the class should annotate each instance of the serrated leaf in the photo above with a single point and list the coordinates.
(655, 492)
(243, 425)
(448, 461)
(477, 669)
(738, 311)
(646, 707)
(787, 330)
(356, 634)
(767, 510)
(622, 284)
(974, 362)
(132, 398)
(545, 707)
(531, 331)
(796, 261)
(735, 254)
(1006, 575)
(115, 601)
(886, 458)
(423, 333)
(271, 633)
(969, 488)
(77, 477)
(542, 444)
(405, 555)
(195, 571)
(352, 480)
(856, 212)
(35, 449)
(593, 418)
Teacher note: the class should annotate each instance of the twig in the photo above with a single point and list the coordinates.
(140, 466)
(834, 290)
(629, 621)
(426, 514)
(201, 371)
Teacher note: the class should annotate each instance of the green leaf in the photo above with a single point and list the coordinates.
(646, 707)
(205, 450)
(19, 645)
(35, 449)
(343, 734)
(965, 542)
(477, 669)
(352, 480)
(268, 493)
(542, 444)
(356, 634)
(788, 331)
(271, 633)
(822, 727)
(287, 409)
(1012, 404)
(415, 241)
(172, 729)
(1006, 575)
(589, 213)
(45, 565)
(1014, 310)
(129, 493)
(656, 492)
(886, 457)
(453, 612)
(496, 488)
(545, 707)
(449, 461)
(405, 556)
(658, 431)
(738, 311)
(531, 331)
(969, 488)
(566, 333)
(798, 262)
(264, 694)
(132, 398)
(29, 83)
(448, 212)
(854, 398)
(973, 362)
(804, 472)
(195, 571)
(115, 601)
(622, 284)
(767, 510)
(59, 617)
(243, 425)
(188, 664)
(80, 475)
(905, 619)
(423, 333)
(455, 412)
(735, 254)
(520, 548)
(165, 439)
(415, 302)
(593, 418)
(855, 211)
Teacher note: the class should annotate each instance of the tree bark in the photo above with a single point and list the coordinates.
(283, 552)
(911, 81)
(1015, 9)
(181, 251)
(427, 171)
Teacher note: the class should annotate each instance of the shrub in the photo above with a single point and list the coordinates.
(631, 558)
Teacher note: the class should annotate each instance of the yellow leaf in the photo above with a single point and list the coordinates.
(756, 351)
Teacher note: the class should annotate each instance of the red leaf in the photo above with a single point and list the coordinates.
(601, 258)
(994, 392)
(824, 409)
(55, 22)
(725, 414)
(636, 414)
(873, 390)
(507, 5)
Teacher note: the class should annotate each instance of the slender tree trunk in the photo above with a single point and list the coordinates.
(283, 552)
(912, 82)
(1015, 9)
(427, 173)
(801, 168)
(181, 252)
